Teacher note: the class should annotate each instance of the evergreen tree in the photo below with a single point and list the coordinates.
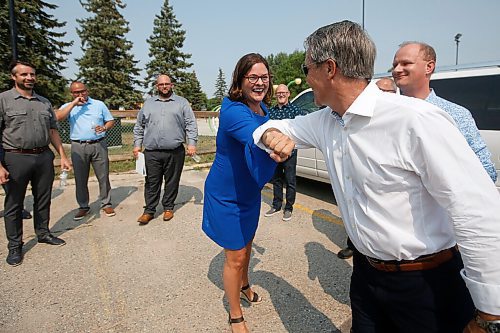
(192, 92)
(39, 43)
(107, 65)
(220, 86)
(165, 46)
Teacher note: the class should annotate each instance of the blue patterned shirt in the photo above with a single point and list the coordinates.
(287, 111)
(469, 130)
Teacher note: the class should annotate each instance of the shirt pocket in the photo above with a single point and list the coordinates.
(44, 117)
(16, 118)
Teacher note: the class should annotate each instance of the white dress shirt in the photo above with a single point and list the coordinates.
(407, 184)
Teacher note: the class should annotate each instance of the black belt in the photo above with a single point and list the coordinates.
(37, 150)
(88, 141)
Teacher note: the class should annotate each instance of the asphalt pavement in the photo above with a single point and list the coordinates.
(114, 275)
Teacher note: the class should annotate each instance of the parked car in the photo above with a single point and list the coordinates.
(475, 87)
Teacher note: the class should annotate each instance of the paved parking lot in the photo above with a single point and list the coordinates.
(116, 276)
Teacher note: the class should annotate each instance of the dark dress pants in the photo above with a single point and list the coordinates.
(24, 168)
(285, 174)
(428, 301)
(162, 165)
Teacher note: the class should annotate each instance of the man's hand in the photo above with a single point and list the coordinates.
(4, 175)
(100, 129)
(281, 144)
(136, 151)
(65, 163)
(191, 150)
(473, 327)
(79, 101)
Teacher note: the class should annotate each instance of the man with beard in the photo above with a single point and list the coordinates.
(163, 124)
(27, 127)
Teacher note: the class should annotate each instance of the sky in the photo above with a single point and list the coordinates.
(219, 32)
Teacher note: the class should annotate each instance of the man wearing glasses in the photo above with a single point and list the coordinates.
(89, 120)
(285, 171)
(163, 125)
(410, 192)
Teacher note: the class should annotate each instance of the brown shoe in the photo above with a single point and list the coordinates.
(81, 214)
(109, 211)
(145, 218)
(168, 215)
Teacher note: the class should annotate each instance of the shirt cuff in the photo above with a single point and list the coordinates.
(191, 142)
(486, 297)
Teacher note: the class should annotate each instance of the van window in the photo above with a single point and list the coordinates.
(479, 94)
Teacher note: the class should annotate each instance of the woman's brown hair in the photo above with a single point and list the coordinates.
(242, 67)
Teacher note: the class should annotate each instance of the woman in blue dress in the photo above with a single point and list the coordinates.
(239, 172)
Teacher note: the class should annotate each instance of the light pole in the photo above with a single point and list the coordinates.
(13, 29)
(363, 16)
(457, 40)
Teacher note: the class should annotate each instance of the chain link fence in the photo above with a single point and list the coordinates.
(113, 136)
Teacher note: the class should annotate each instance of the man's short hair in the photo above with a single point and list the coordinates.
(14, 63)
(427, 50)
(347, 44)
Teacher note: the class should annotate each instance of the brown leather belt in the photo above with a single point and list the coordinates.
(88, 141)
(420, 264)
(37, 150)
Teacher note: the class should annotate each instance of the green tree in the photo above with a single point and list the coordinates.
(286, 68)
(193, 93)
(38, 42)
(107, 65)
(220, 86)
(165, 46)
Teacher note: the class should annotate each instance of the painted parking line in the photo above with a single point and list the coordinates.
(329, 218)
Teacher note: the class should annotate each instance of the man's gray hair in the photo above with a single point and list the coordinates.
(347, 44)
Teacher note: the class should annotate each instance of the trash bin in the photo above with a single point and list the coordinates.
(113, 137)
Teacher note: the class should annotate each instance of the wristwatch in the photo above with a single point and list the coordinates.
(490, 326)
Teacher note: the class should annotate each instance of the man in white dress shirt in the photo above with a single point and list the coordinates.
(409, 189)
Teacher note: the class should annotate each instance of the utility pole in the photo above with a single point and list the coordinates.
(13, 29)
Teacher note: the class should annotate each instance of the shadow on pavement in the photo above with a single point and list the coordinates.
(66, 222)
(294, 310)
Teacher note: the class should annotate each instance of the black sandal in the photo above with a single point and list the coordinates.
(256, 299)
(235, 320)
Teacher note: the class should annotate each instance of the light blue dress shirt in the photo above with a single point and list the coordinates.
(84, 118)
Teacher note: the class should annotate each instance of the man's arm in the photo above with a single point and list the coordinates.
(191, 129)
(106, 127)
(63, 112)
(138, 133)
(55, 139)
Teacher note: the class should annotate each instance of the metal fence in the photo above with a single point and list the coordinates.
(113, 136)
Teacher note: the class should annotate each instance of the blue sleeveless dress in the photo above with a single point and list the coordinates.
(240, 170)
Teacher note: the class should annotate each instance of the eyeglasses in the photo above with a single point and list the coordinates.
(305, 69)
(281, 94)
(253, 79)
(79, 92)
(163, 84)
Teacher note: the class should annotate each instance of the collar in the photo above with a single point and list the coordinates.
(16, 94)
(171, 98)
(431, 95)
(364, 104)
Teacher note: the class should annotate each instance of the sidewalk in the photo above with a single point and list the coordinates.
(116, 276)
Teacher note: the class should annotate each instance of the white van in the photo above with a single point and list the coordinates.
(476, 87)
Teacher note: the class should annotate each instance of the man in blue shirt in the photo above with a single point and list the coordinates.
(163, 124)
(89, 119)
(285, 171)
(413, 66)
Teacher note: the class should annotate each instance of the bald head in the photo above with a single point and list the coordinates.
(387, 85)
(282, 95)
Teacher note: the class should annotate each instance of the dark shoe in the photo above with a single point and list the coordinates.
(15, 256)
(26, 215)
(235, 320)
(109, 211)
(51, 240)
(272, 211)
(256, 299)
(81, 214)
(287, 215)
(168, 215)
(345, 253)
(145, 218)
